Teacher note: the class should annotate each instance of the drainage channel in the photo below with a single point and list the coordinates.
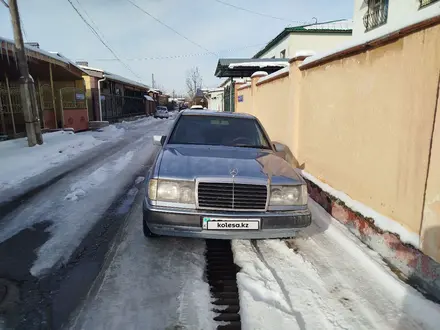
(222, 278)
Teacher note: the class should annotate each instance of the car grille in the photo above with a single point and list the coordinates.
(232, 196)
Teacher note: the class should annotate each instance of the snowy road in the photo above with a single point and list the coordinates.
(325, 280)
(92, 191)
(152, 284)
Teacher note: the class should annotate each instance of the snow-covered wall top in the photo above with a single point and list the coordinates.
(400, 13)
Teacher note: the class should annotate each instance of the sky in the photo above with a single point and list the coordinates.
(147, 47)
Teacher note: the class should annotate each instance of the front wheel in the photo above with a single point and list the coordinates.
(146, 230)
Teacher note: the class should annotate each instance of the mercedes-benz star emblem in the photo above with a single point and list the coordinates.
(233, 172)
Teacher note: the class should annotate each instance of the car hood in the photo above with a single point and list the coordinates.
(192, 162)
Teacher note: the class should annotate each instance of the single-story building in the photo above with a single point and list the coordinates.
(59, 90)
(111, 97)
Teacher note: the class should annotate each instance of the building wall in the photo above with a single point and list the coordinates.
(215, 102)
(246, 105)
(316, 42)
(400, 12)
(275, 50)
(272, 107)
(364, 125)
(367, 133)
(306, 41)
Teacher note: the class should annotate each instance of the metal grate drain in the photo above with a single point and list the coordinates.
(222, 278)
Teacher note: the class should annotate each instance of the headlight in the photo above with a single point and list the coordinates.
(171, 191)
(288, 195)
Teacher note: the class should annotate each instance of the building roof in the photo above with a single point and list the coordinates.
(99, 73)
(38, 53)
(342, 26)
(244, 67)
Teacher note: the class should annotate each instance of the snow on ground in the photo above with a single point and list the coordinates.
(20, 162)
(76, 202)
(152, 284)
(326, 280)
(98, 177)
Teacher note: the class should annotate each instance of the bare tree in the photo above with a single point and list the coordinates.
(193, 81)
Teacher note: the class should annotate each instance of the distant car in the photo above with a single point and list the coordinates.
(161, 112)
(197, 107)
(218, 175)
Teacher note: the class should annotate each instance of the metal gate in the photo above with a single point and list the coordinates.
(11, 112)
(74, 113)
(48, 116)
(229, 100)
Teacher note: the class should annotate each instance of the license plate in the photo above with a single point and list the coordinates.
(230, 224)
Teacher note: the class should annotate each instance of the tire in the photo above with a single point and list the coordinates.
(146, 230)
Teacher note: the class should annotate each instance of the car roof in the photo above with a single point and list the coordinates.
(216, 114)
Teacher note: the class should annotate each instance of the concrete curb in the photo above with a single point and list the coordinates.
(408, 263)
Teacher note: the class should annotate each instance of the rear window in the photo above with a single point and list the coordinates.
(215, 130)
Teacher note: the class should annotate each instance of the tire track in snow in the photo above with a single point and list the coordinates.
(296, 314)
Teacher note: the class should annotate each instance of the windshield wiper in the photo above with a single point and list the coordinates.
(251, 146)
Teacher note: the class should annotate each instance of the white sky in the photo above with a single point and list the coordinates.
(132, 34)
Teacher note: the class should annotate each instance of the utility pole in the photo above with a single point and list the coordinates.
(27, 87)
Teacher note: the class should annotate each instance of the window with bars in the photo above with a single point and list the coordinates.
(377, 14)
(424, 3)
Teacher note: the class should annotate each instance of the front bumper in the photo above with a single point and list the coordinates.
(188, 223)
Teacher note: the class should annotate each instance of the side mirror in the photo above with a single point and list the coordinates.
(158, 140)
(279, 147)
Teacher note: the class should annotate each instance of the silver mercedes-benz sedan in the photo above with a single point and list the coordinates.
(218, 175)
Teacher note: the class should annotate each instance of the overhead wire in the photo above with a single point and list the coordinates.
(101, 39)
(178, 56)
(258, 13)
(171, 28)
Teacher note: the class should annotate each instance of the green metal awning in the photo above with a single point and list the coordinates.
(246, 67)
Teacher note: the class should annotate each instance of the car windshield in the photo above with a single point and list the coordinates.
(219, 131)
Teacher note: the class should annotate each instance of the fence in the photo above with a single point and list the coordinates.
(11, 113)
(116, 106)
(366, 125)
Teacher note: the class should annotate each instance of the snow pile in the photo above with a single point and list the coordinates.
(93, 186)
(419, 16)
(98, 177)
(305, 53)
(261, 64)
(310, 286)
(19, 162)
(259, 74)
(380, 221)
(274, 75)
(244, 86)
(110, 132)
(138, 122)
